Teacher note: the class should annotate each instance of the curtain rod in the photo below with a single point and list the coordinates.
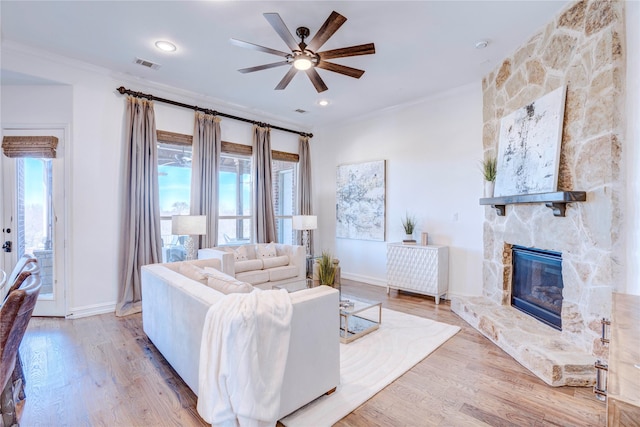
(123, 91)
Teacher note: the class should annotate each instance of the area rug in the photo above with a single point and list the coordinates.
(371, 363)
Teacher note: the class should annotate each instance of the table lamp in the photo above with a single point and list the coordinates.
(305, 223)
(189, 225)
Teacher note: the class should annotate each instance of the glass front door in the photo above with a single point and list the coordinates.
(32, 222)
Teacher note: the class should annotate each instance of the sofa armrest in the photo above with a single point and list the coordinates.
(313, 361)
(227, 259)
(173, 311)
(297, 256)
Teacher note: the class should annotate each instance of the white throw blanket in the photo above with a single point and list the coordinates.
(245, 342)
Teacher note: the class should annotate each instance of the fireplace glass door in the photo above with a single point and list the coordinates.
(536, 287)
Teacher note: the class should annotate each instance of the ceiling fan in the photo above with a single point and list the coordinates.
(305, 57)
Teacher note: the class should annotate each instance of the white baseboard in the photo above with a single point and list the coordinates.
(365, 279)
(91, 310)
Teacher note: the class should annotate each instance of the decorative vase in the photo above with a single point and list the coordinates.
(488, 188)
(424, 240)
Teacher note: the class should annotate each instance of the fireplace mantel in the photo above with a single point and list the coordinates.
(557, 200)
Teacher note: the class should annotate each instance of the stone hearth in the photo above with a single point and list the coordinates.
(538, 347)
(581, 48)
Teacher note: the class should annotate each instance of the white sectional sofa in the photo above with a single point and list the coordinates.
(174, 307)
(262, 265)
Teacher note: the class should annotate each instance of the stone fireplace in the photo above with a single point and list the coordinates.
(581, 48)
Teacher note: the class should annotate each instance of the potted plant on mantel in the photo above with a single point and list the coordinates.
(489, 171)
(409, 225)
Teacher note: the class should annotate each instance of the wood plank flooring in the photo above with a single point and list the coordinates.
(104, 371)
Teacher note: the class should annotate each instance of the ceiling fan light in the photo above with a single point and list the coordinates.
(302, 63)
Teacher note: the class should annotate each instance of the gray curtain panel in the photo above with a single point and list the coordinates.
(264, 218)
(204, 175)
(305, 204)
(140, 237)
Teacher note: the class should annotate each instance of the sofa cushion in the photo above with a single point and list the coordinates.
(278, 261)
(281, 273)
(192, 272)
(248, 265)
(225, 283)
(254, 276)
(266, 250)
(240, 253)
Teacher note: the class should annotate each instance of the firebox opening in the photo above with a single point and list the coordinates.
(536, 287)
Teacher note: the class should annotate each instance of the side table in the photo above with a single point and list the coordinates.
(353, 322)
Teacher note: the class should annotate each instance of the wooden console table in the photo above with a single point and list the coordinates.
(419, 269)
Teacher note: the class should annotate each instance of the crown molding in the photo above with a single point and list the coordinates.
(142, 84)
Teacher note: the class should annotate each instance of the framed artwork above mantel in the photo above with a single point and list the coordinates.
(529, 147)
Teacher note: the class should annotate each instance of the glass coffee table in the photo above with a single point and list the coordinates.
(358, 317)
(297, 286)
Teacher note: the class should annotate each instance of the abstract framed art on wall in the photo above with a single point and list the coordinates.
(360, 201)
(529, 147)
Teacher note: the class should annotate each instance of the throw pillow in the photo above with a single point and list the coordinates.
(266, 250)
(240, 253)
(192, 272)
(225, 283)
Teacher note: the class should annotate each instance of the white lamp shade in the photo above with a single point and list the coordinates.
(188, 225)
(305, 222)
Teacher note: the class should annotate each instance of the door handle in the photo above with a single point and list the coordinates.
(7, 246)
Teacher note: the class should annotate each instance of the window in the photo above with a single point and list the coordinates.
(174, 182)
(235, 204)
(235, 199)
(285, 183)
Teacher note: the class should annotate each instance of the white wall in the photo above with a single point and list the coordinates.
(432, 151)
(95, 112)
(632, 149)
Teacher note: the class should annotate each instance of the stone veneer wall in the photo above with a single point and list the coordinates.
(582, 49)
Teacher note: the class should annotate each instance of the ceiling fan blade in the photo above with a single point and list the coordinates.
(287, 78)
(342, 69)
(263, 67)
(363, 49)
(316, 80)
(258, 47)
(278, 24)
(330, 26)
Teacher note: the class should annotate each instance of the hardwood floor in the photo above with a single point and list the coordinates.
(103, 371)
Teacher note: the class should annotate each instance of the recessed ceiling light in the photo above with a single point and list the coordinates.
(482, 44)
(323, 102)
(166, 46)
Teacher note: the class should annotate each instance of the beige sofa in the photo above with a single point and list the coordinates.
(174, 307)
(262, 265)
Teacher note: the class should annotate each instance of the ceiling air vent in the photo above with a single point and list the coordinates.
(300, 110)
(148, 64)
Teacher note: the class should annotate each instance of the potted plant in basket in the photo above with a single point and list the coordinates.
(409, 225)
(489, 171)
(326, 269)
